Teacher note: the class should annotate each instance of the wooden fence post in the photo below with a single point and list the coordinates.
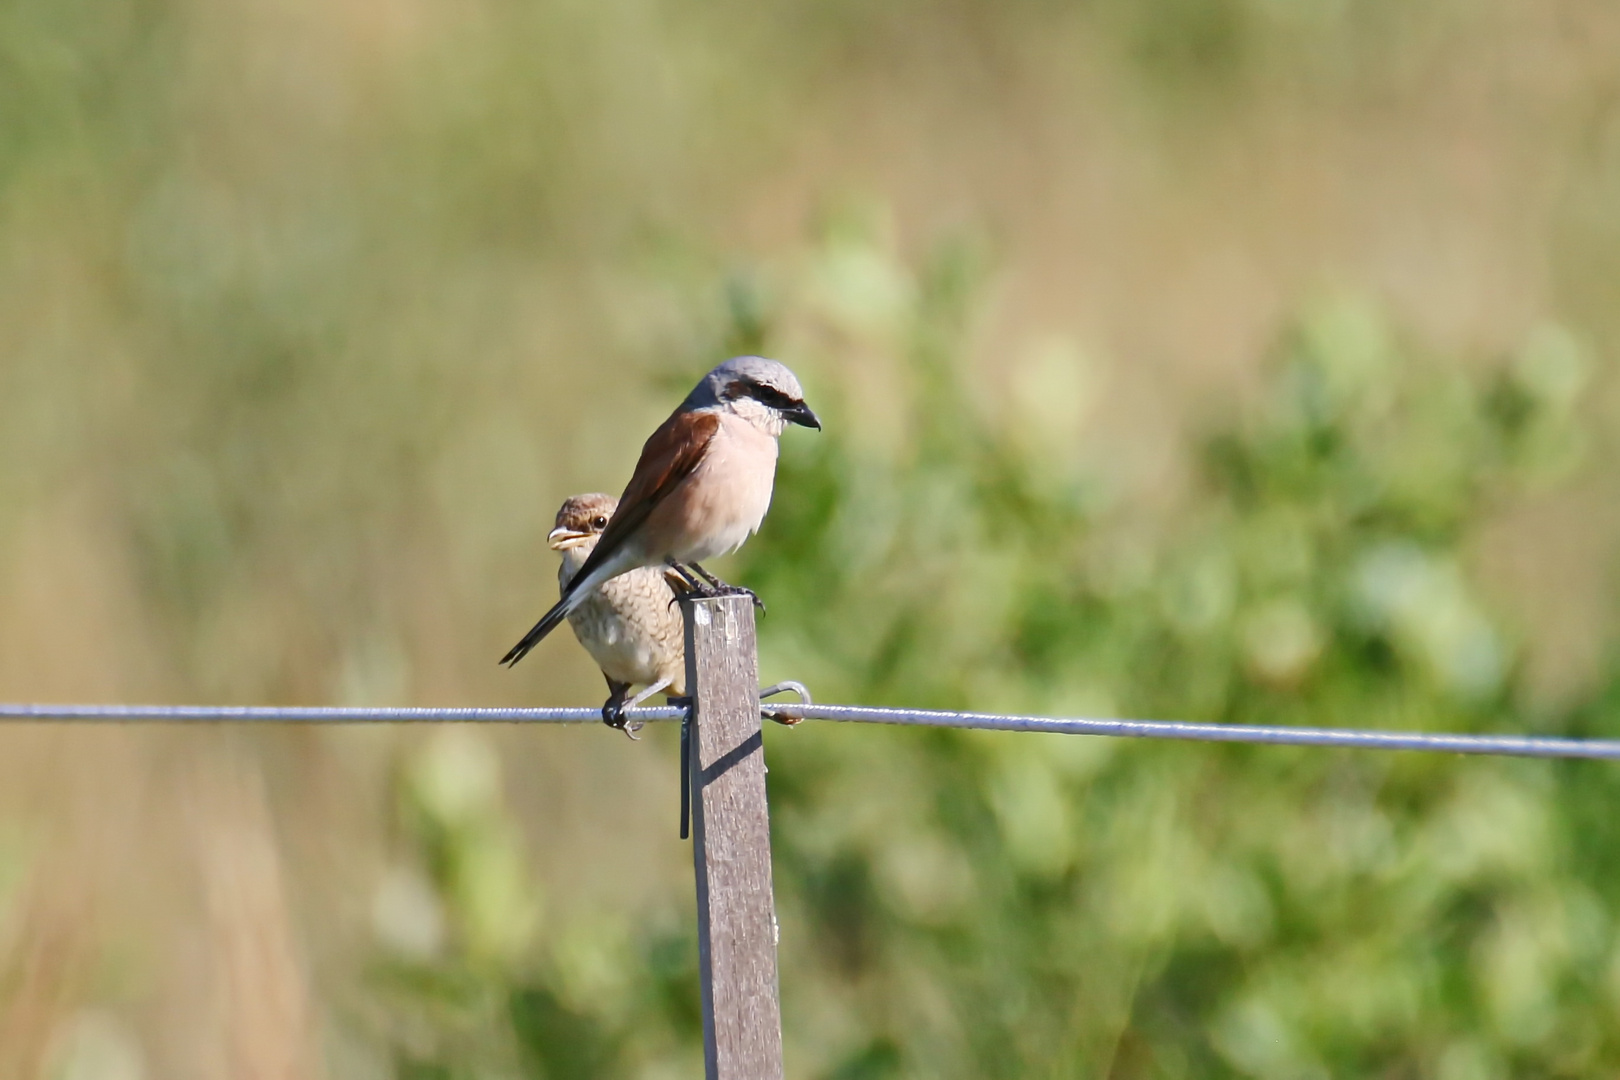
(731, 843)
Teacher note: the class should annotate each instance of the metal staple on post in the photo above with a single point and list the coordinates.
(731, 843)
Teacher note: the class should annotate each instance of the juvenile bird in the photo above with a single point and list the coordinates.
(702, 485)
(629, 624)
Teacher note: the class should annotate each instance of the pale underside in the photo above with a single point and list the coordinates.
(720, 505)
(631, 626)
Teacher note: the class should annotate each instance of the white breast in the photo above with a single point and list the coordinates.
(725, 499)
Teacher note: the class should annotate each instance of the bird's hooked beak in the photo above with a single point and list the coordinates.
(800, 414)
(562, 538)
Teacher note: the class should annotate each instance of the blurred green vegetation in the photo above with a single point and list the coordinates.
(981, 904)
(977, 904)
(1224, 360)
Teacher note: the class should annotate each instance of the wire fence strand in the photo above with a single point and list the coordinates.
(1508, 745)
(320, 714)
(1539, 746)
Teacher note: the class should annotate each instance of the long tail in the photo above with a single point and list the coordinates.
(548, 622)
(578, 589)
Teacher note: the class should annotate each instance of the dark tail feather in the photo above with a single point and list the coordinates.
(592, 574)
(546, 625)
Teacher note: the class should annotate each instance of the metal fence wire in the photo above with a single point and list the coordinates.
(1539, 746)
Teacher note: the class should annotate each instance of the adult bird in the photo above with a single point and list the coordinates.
(701, 487)
(629, 624)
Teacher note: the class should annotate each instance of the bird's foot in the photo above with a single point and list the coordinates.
(738, 590)
(692, 584)
(706, 585)
(613, 709)
(720, 588)
(613, 716)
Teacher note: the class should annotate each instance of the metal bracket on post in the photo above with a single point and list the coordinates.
(731, 846)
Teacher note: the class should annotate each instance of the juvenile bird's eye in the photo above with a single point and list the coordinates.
(599, 522)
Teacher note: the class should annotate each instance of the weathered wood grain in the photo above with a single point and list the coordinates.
(731, 846)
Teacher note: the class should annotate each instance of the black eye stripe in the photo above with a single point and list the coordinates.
(765, 395)
(773, 397)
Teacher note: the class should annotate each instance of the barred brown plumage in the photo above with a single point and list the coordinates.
(629, 624)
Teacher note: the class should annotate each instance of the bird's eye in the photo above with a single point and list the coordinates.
(599, 522)
(770, 395)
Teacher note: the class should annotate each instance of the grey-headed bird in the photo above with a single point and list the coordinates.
(702, 485)
(629, 624)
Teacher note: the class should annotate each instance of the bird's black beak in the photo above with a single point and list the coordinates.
(800, 414)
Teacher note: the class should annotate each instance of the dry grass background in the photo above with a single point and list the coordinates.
(311, 313)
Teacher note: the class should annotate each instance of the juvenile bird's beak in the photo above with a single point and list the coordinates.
(800, 414)
(561, 539)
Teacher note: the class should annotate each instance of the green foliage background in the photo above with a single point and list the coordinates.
(1219, 360)
(990, 904)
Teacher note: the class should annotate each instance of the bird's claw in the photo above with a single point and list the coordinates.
(695, 581)
(738, 590)
(707, 585)
(629, 728)
(613, 716)
(698, 582)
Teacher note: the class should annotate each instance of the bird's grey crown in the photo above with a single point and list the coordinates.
(715, 387)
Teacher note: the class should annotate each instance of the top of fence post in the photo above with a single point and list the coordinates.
(731, 843)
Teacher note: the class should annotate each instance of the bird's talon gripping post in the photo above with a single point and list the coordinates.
(738, 590)
(691, 582)
(713, 586)
(716, 586)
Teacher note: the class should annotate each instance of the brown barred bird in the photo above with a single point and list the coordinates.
(630, 624)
